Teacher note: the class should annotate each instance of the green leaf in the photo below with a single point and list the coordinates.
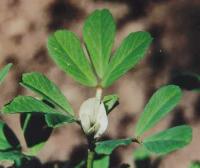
(8, 140)
(195, 164)
(36, 132)
(110, 102)
(99, 34)
(130, 52)
(56, 120)
(27, 104)
(159, 105)
(107, 147)
(65, 49)
(16, 156)
(141, 153)
(101, 161)
(42, 85)
(4, 72)
(169, 140)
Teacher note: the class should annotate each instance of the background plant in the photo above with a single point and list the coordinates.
(98, 69)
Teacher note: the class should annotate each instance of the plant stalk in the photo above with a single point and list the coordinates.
(99, 92)
(90, 159)
(91, 140)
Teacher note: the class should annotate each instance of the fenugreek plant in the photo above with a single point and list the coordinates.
(93, 65)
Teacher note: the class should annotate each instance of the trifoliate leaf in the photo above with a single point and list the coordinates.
(159, 105)
(169, 140)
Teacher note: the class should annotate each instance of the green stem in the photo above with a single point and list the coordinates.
(91, 140)
(90, 159)
(99, 92)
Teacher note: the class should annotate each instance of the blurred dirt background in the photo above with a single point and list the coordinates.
(175, 26)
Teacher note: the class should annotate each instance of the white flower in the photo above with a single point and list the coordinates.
(93, 117)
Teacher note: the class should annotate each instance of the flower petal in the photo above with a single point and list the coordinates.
(102, 121)
(93, 117)
(88, 113)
